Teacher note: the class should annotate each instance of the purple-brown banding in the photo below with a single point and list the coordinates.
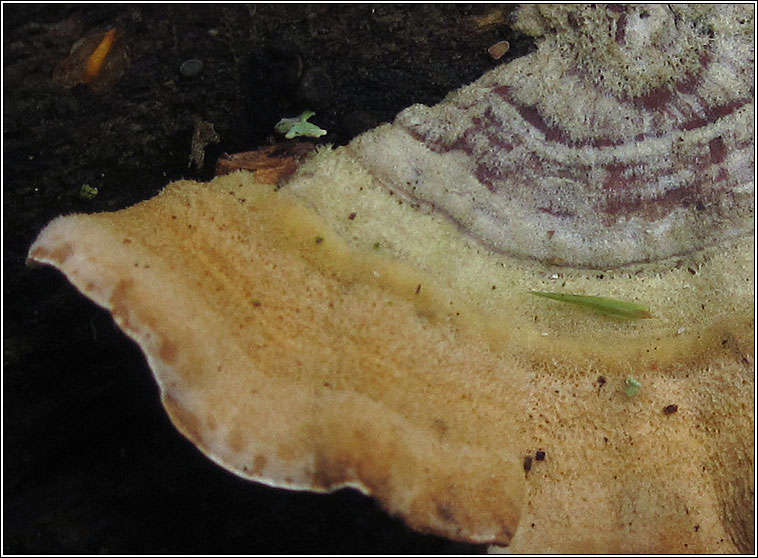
(657, 100)
(617, 8)
(624, 186)
(604, 165)
(621, 29)
(627, 191)
(551, 133)
(488, 124)
(714, 113)
(717, 149)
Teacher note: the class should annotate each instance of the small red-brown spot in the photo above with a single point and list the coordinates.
(119, 303)
(235, 440)
(259, 464)
(59, 254)
(210, 422)
(445, 513)
(718, 150)
(670, 409)
(168, 352)
(440, 427)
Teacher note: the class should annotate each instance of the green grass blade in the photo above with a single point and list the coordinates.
(609, 306)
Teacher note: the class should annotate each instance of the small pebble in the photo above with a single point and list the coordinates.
(498, 50)
(191, 68)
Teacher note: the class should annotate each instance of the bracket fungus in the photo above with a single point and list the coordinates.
(369, 323)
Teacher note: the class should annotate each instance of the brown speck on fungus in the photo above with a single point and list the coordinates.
(670, 409)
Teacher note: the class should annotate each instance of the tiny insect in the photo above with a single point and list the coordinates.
(609, 306)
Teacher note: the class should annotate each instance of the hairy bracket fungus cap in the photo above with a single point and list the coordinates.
(370, 323)
(628, 135)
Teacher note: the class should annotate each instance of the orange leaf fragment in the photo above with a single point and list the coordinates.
(271, 164)
(98, 59)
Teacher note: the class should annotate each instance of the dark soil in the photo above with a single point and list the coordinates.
(91, 462)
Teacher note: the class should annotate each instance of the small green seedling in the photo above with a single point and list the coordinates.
(609, 306)
(299, 126)
(633, 386)
(87, 192)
